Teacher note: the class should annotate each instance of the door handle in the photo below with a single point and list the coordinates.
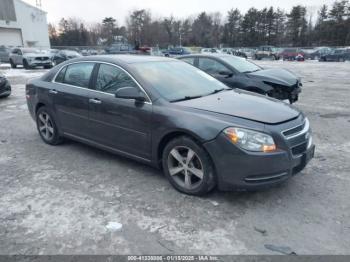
(95, 101)
(53, 91)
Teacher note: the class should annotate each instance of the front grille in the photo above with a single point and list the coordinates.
(41, 58)
(294, 130)
(265, 178)
(300, 149)
(298, 138)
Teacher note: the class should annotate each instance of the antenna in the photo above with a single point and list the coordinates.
(38, 3)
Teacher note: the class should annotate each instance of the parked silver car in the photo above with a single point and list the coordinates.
(30, 58)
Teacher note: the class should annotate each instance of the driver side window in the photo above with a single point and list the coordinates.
(211, 66)
(111, 78)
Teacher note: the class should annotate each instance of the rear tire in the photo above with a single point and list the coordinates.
(188, 166)
(4, 96)
(47, 127)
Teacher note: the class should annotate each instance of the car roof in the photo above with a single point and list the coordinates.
(125, 59)
(214, 55)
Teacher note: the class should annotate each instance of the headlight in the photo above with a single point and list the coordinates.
(250, 140)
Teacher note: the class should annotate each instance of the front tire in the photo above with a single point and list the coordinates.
(13, 65)
(188, 166)
(26, 65)
(47, 127)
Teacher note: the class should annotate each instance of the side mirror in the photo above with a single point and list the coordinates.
(130, 93)
(227, 74)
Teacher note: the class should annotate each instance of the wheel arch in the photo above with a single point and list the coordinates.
(170, 136)
(39, 105)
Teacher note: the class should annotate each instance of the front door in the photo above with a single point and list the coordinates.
(121, 124)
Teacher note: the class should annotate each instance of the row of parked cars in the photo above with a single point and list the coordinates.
(325, 54)
(33, 57)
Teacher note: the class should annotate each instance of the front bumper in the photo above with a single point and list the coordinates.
(34, 63)
(241, 170)
(294, 95)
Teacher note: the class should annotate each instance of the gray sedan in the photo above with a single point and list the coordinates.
(173, 116)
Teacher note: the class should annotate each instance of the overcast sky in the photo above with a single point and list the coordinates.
(96, 10)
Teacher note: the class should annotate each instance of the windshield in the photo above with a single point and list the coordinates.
(30, 50)
(71, 53)
(178, 80)
(241, 64)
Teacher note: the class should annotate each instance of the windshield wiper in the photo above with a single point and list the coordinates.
(185, 98)
(218, 91)
(247, 72)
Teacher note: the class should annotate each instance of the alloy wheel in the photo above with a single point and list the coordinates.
(46, 128)
(185, 167)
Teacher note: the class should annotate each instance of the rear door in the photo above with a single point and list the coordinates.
(71, 98)
(121, 124)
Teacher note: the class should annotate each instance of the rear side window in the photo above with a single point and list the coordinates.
(60, 76)
(78, 74)
(111, 78)
(189, 60)
(211, 66)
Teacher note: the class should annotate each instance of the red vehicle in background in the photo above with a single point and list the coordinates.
(293, 54)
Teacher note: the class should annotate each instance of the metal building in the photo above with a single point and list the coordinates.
(22, 24)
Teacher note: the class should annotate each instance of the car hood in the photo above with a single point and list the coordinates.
(276, 76)
(36, 54)
(245, 105)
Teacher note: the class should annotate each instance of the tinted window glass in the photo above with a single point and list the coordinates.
(211, 66)
(177, 80)
(189, 60)
(79, 74)
(111, 78)
(60, 76)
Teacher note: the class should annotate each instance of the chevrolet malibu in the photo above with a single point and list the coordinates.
(173, 116)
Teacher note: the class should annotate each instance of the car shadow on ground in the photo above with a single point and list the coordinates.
(234, 197)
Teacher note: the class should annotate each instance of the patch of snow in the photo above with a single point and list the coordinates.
(214, 203)
(22, 73)
(5, 65)
(114, 226)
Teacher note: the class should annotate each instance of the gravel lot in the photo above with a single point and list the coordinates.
(60, 200)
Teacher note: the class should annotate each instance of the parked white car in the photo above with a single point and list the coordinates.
(30, 58)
